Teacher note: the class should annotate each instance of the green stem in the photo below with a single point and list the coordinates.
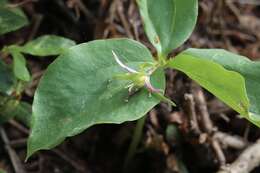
(162, 59)
(135, 141)
(19, 87)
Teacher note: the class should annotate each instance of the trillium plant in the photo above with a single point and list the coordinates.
(119, 80)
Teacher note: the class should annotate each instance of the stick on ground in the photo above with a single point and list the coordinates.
(16, 162)
(246, 162)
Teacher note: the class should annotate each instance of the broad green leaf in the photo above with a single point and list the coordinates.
(75, 92)
(47, 45)
(168, 23)
(250, 70)
(19, 66)
(11, 19)
(7, 79)
(228, 86)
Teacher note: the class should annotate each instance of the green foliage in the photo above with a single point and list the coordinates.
(7, 79)
(47, 45)
(7, 107)
(80, 89)
(108, 81)
(11, 19)
(118, 80)
(229, 86)
(23, 113)
(168, 23)
(19, 66)
(10, 106)
(248, 69)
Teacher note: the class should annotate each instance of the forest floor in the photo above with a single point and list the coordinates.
(200, 135)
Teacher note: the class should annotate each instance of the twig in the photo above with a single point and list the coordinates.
(154, 118)
(112, 11)
(227, 140)
(219, 153)
(247, 131)
(246, 162)
(190, 104)
(70, 161)
(18, 142)
(202, 109)
(85, 10)
(233, 9)
(16, 162)
(21, 3)
(19, 126)
(252, 2)
(37, 18)
(122, 17)
(207, 122)
(224, 117)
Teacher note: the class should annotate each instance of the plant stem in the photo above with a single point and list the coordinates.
(135, 141)
(162, 59)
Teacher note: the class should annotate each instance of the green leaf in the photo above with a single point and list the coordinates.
(10, 107)
(7, 107)
(11, 19)
(7, 79)
(228, 86)
(47, 45)
(168, 23)
(164, 99)
(250, 70)
(23, 113)
(19, 66)
(75, 92)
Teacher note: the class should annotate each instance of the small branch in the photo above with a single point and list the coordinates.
(190, 110)
(85, 10)
(21, 3)
(246, 162)
(247, 131)
(73, 163)
(122, 17)
(18, 143)
(19, 126)
(16, 162)
(227, 140)
(219, 152)
(37, 20)
(202, 109)
(207, 123)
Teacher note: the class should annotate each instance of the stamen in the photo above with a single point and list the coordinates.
(147, 83)
(149, 86)
(130, 70)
